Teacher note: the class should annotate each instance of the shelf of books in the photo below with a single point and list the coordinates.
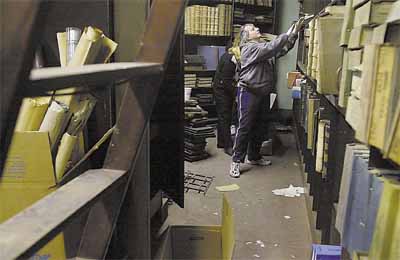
(347, 120)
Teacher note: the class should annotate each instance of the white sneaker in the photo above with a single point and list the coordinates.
(260, 162)
(235, 170)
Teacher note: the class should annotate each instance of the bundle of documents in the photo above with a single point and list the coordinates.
(204, 82)
(53, 114)
(321, 159)
(189, 80)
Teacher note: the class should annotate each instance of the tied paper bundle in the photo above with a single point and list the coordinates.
(93, 47)
(70, 138)
(64, 115)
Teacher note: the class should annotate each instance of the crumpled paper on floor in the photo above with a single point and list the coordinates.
(289, 192)
(231, 187)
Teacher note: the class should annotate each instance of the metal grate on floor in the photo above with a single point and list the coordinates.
(197, 183)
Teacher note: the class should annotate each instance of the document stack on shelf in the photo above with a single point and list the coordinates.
(204, 82)
(196, 132)
(193, 62)
(325, 55)
(204, 99)
(369, 85)
(266, 3)
(190, 80)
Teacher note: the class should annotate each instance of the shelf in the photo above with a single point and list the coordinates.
(240, 21)
(208, 2)
(256, 8)
(199, 71)
(55, 78)
(208, 36)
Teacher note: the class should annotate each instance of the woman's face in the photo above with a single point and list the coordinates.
(254, 32)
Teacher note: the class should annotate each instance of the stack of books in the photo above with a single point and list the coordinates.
(204, 99)
(194, 62)
(204, 82)
(196, 132)
(266, 3)
(190, 80)
(263, 19)
(238, 14)
(207, 20)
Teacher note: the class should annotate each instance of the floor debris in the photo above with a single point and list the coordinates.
(231, 187)
(291, 191)
(259, 242)
(256, 256)
(287, 217)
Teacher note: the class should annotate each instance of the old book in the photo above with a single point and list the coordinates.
(394, 15)
(386, 64)
(313, 105)
(336, 10)
(347, 23)
(311, 48)
(352, 151)
(355, 59)
(379, 33)
(209, 20)
(393, 105)
(353, 113)
(386, 238)
(372, 13)
(319, 161)
(329, 54)
(221, 19)
(360, 36)
(356, 81)
(345, 80)
(368, 77)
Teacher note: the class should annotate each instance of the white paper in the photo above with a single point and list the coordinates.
(272, 98)
(290, 192)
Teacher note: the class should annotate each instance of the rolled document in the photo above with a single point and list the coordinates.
(62, 48)
(54, 120)
(31, 114)
(64, 154)
(73, 36)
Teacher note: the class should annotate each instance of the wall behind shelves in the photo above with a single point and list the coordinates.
(288, 11)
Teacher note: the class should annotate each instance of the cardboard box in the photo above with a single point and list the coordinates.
(291, 77)
(200, 242)
(28, 177)
(326, 252)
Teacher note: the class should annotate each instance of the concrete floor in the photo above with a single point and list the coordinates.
(259, 214)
